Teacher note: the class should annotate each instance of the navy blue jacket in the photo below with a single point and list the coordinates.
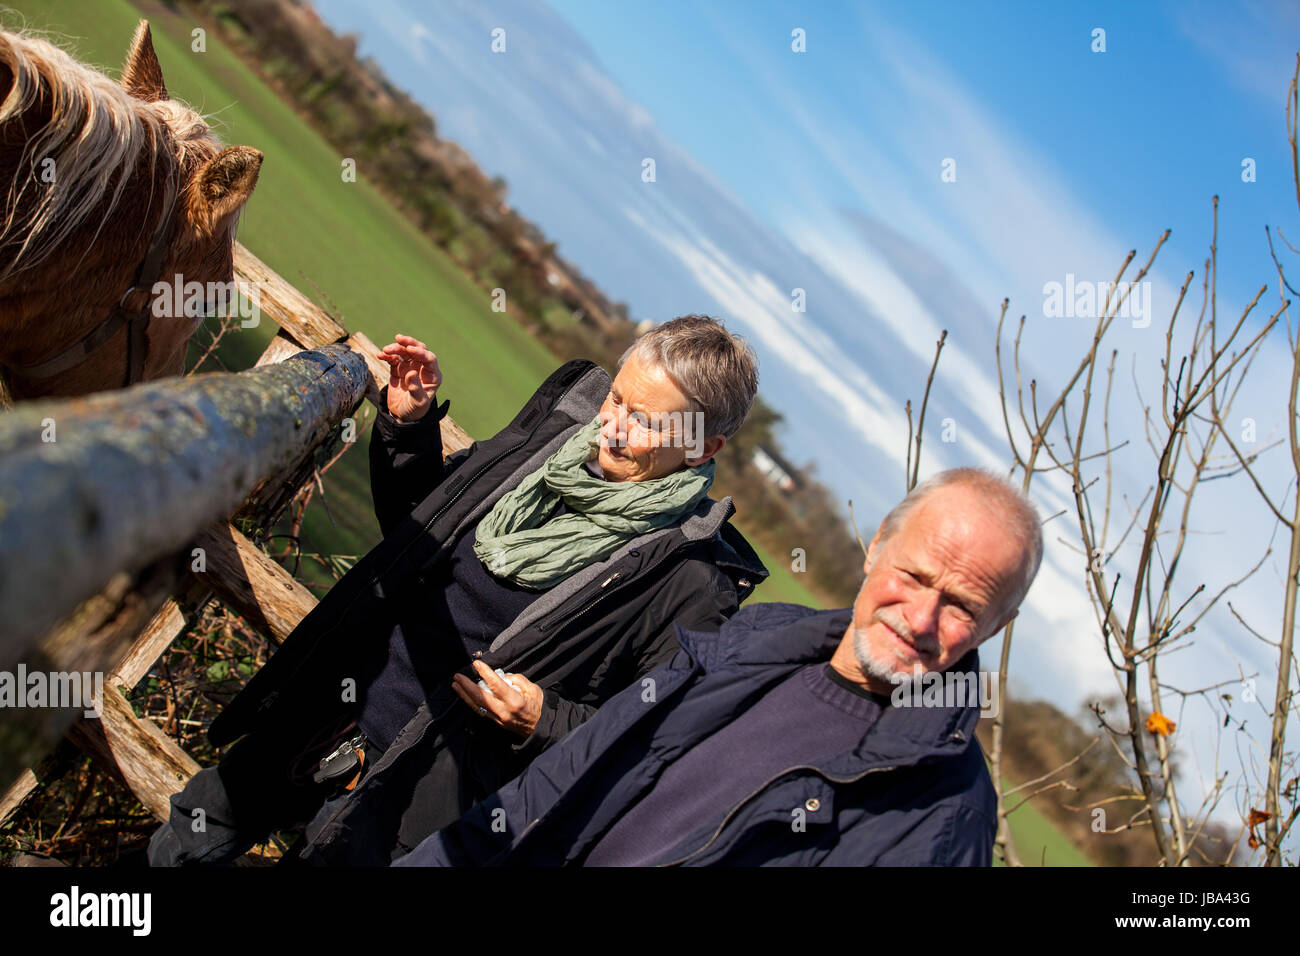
(915, 791)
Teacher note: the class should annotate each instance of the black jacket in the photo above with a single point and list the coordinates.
(581, 641)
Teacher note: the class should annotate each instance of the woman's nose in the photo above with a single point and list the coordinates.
(612, 426)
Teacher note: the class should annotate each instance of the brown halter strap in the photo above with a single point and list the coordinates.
(137, 322)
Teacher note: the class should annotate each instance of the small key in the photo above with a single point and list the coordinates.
(341, 763)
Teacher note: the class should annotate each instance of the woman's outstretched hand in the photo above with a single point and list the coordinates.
(414, 378)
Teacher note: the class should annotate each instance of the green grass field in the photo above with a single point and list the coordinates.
(376, 272)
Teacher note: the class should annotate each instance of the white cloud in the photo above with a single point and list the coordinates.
(892, 301)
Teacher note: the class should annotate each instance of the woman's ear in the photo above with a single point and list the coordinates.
(709, 448)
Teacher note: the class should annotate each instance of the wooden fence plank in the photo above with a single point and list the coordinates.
(299, 316)
(153, 765)
(251, 583)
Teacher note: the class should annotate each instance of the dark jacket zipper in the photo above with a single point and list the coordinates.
(452, 706)
(556, 616)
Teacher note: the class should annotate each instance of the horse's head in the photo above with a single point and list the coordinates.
(108, 189)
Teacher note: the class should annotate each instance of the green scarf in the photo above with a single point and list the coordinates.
(515, 541)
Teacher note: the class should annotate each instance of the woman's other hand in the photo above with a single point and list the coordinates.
(515, 703)
(414, 378)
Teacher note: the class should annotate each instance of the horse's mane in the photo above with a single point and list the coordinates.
(96, 135)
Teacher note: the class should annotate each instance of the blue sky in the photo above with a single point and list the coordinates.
(1147, 131)
(820, 170)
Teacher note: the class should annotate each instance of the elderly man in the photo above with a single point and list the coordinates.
(520, 584)
(774, 741)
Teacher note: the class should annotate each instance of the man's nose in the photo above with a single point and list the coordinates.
(922, 615)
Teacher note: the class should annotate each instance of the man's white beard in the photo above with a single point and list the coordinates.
(887, 665)
(881, 667)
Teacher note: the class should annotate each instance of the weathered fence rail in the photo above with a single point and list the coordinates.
(93, 487)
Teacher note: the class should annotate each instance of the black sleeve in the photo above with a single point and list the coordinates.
(559, 716)
(405, 462)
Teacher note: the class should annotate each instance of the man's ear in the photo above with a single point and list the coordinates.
(710, 448)
(1007, 619)
(872, 550)
(142, 76)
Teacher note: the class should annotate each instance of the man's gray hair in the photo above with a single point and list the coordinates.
(716, 370)
(1022, 519)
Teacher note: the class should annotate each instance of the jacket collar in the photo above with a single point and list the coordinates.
(765, 634)
(731, 551)
(787, 636)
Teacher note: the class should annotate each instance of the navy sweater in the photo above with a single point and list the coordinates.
(814, 711)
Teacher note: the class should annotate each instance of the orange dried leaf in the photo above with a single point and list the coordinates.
(1257, 817)
(1158, 723)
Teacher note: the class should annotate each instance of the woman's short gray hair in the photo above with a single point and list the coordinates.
(716, 370)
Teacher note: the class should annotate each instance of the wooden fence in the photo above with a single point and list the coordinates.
(98, 528)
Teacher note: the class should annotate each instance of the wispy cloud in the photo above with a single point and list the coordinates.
(1253, 42)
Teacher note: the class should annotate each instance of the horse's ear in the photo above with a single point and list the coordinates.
(142, 76)
(222, 185)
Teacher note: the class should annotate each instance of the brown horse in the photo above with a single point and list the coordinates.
(105, 190)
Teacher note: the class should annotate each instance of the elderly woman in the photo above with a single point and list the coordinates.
(520, 583)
